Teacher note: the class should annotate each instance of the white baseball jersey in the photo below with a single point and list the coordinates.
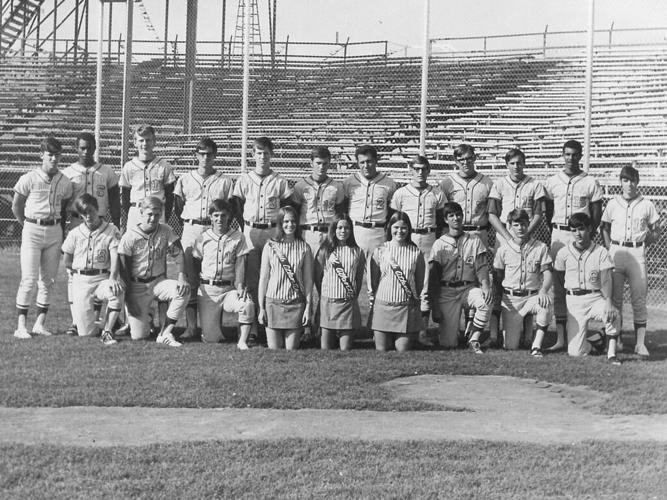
(95, 180)
(523, 264)
(472, 194)
(353, 261)
(407, 257)
(44, 196)
(148, 179)
(582, 268)
(572, 195)
(421, 205)
(630, 219)
(198, 192)
(457, 256)
(279, 286)
(513, 195)
(90, 249)
(318, 199)
(369, 199)
(148, 250)
(261, 195)
(219, 254)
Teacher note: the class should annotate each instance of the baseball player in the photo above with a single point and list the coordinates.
(629, 223)
(100, 181)
(368, 195)
(584, 270)
(40, 206)
(145, 175)
(91, 259)
(220, 254)
(459, 277)
(258, 195)
(423, 204)
(143, 256)
(194, 193)
(523, 273)
(569, 192)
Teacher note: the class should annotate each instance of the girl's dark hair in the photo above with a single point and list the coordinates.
(396, 217)
(331, 242)
(279, 234)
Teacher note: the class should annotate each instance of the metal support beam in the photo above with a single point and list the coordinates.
(588, 99)
(424, 97)
(246, 88)
(190, 62)
(166, 32)
(98, 82)
(127, 83)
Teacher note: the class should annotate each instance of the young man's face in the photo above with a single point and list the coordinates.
(515, 168)
(572, 157)
(629, 187)
(519, 228)
(419, 173)
(454, 220)
(320, 168)
(150, 218)
(367, 165)
(262, 157)
(86, 151)
(206, 157)
(466, 165)
(145, 145)
(582, 236)
(220, 221)
(50, 160)
(91, 217)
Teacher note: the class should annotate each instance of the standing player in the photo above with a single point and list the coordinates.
(146, 175)
(40, 206)
(91, 259)
(143, 256)
(629, 223)
(459, 277)
(194, 193)
(569, 192)
(220, 253)
(584, 271)
(101, 182)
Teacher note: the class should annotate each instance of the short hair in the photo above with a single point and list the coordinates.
(320, 152)
(572, 144)
(452, 207)
(144, 130)
(84, 201)
(420, 160)
(630, 173)
(279, 232)
(151, 202)
(206, 143)
(514, 152)
(463, 149)
(580, 220)
(219, 205)
(51, 144)
(264, 142)
(366, 150)
(518, 215)
(86, 136)
(331, 242)
(397, 217)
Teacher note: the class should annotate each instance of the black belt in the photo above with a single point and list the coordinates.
(260, 225)
(561, 227)
(580, 291)
(75, 215)
(205, 281)
(425, 230)
(634, 244)
(134, 204)
(322, 228)
(520, 293)
(90, 272)
(368, 224)
(43, 222)
(475, 228)
(201, 222)
(456, 284)
(146, 280)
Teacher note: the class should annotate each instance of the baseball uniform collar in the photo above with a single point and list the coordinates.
(100, 229)
(82, 170)
(45, 177)
(576, 251)
(226, 235)
(378, 177)
(258, 179)
(312, 182)
(567, 178)
(201, 178)
(139, 164)
(627, 203)
(418, 192)
(522, 181)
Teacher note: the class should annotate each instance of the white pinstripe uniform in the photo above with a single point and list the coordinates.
(95, 180)
(516, 195)
(318, 201)
(630, 223)
(149, 268)
(570, 195)
(459, 284)
(145, 180)
(221, 263)
(369, 206)
(353, 261)
(523, 266)
(279, 287)
(91, 265)
(42, 234)
(473, 196)
(421, 206)
(582, 276)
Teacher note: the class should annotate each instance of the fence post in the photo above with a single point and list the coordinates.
(484, 45)
(611, 30)
(544, 40)
(286, 46)
(345, 51)
(588, 99)
(424, 95)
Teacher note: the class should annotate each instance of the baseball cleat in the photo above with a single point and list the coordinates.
(475, 347)
(536, 352)
(641, 350)
(168, 339)
(619, 344)
(72, 331)
(123, 331)
(22, 333)
(242, 346)
(188, 334)
(41, 330)
(614, 360)
(424, 339)
(107, 338)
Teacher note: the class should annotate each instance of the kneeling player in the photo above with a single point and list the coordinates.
(584, 270)
(143, 256)
(523, 273)
(91, 259)
(220, 253)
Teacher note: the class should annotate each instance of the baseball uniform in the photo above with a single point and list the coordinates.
(221, 263)
(90, 272)
(523, 266)
(584, 299)
(516, 195)
(42, 234)
(95, 180)
(630, 222)
(458, 260)
(148, 252)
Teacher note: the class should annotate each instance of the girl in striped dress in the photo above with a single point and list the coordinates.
(285, 283)
(396, 274)
(339, 271)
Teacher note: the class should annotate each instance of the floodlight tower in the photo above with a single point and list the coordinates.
(255, 30)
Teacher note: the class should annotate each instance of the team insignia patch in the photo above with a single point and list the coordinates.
(594, 276)
(379, 203)
(101, 255)
(583, 201)
(155, 186)
(272, 203)
(470, 261)
(100, 191)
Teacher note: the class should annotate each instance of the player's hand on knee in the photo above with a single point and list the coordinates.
(487, 293)
(115, 287)
(543, 299)
(242, 293)
(182, 288)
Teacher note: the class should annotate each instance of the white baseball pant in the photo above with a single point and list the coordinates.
(212, 301)
(40, 256)
(580, 310)
(85, 289)
(139, 298)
